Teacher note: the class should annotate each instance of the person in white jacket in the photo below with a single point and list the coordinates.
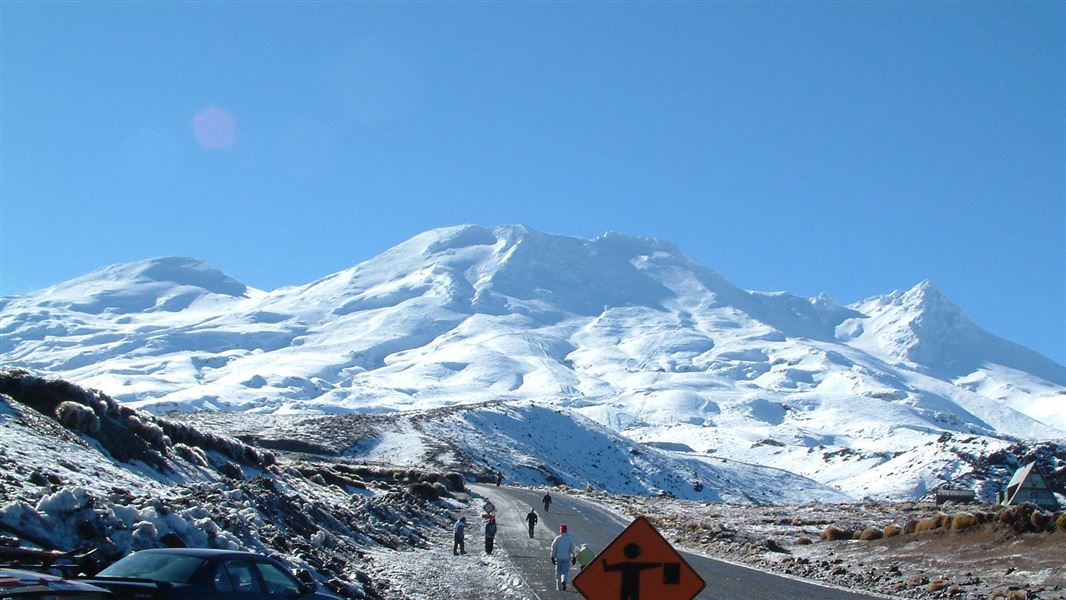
(562, 556)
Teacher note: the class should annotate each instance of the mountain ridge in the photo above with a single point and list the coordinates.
(629, 331)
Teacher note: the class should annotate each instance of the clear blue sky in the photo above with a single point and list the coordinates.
(850, 148)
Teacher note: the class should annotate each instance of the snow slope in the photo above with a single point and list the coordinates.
(627, 331)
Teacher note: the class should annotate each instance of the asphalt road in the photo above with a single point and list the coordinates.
(590, 524)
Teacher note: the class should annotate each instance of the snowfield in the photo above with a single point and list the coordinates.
(627, 331)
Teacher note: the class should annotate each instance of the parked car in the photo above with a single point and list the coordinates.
(203, 574)
(16, 584)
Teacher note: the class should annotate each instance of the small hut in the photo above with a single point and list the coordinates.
(958, 496)
(1028, 486)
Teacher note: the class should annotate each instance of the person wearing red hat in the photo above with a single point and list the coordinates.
(562, 556)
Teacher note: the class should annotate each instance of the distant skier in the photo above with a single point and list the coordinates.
(547, 500)
(562, 556)
(490, 534)
(499, 478)
(459, 547)
(531, 519)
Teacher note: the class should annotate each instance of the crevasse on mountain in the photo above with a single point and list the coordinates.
(627, 330)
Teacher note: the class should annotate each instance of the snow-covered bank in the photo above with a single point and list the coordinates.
(364, 532)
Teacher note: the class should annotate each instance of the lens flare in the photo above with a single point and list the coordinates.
(214, 128)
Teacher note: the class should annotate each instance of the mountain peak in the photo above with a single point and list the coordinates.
(171, 270)
(169, 283)
(926, 298)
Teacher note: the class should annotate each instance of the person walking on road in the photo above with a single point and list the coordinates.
(547, 500)
(562, 556)
(459, 547)
(490, 534)
(531, 519)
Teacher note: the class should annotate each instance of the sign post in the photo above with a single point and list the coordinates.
(639, 563)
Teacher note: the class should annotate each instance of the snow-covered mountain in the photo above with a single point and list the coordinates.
(627, 331)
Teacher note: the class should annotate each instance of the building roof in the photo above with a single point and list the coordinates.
(1021, 475)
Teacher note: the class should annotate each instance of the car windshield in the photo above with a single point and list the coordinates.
(175, 568)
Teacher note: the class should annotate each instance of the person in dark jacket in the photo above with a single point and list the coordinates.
(459, 547)
(547, 500)
(490, 534)
(531, 519)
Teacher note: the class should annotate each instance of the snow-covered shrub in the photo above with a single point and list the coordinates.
(143, 427)
(232, 470)
(442, 490)
(455, 482)
(235, 449)
(78, 417)
(423, 490)
(191, 454)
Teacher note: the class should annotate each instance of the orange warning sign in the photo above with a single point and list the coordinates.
(639, 563)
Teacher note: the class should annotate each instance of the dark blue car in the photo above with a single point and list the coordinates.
(203, 574)
(27, 585)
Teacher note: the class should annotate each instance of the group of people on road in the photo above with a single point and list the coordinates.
(563, 553)
(459, 530)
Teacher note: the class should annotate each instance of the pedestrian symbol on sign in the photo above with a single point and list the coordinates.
(625, 570)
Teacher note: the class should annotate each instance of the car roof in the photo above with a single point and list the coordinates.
(203, 552)
(15, 581)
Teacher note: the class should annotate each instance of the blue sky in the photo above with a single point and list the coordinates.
(849, 148)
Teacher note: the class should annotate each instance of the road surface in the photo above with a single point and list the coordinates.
(590, 524)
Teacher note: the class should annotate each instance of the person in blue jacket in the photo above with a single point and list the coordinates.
(459, 547)
(562, 555)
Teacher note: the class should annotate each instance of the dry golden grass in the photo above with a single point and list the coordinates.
(927, 525)
(963, 520)
(936, 585)
(832, 533)
(871, 533)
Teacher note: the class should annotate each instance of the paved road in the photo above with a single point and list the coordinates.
(590, 524)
